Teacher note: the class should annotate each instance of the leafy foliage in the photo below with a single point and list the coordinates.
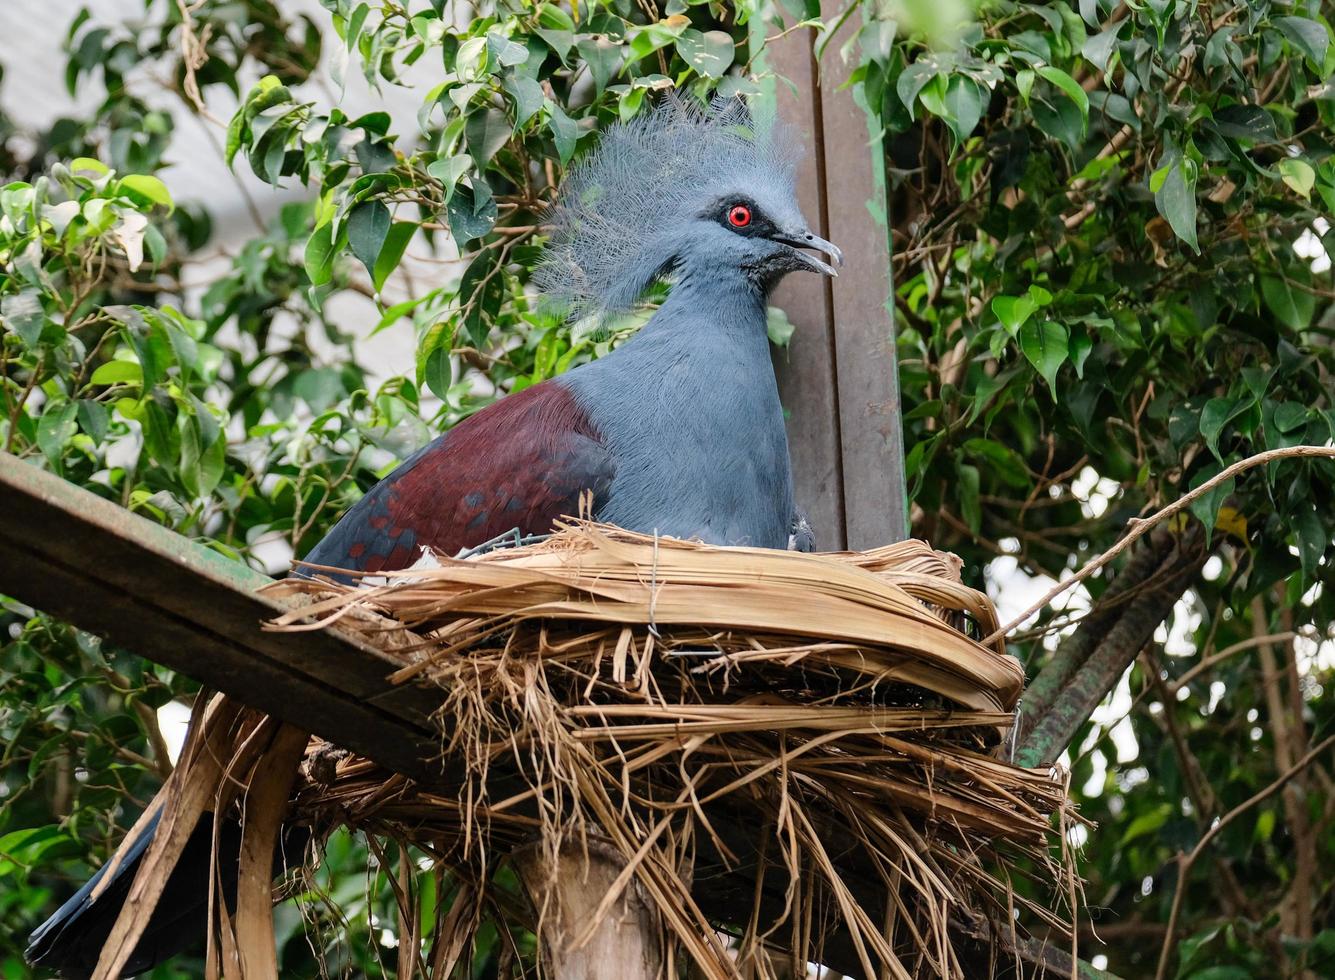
(1105, 218)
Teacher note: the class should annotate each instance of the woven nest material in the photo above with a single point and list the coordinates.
(795, 754)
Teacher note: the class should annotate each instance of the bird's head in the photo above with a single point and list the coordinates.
(680, 191)
(759, 230)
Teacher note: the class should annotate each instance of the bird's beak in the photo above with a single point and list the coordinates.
(804, 240)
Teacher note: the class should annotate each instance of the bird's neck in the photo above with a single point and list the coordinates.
(714, 305)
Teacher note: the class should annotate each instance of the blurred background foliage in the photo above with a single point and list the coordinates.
(1108, 222)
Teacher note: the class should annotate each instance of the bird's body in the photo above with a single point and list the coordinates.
(696, 427)
(678, 431)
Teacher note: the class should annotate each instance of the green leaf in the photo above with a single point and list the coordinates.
(1206, 507)
(1290, 304)
(236, 129)
(448, 170)
(1081, 346)
(1214, 417)
(565, 131)
(1298, 174)
(968, 483)
(1245, 122)
(504, 51)
(319, 255)
(397, 312)
(1175, 198)
(629, 104)
(148, 188)
(156, 245)
(1068, 85)
(203, 453)
(89, 165)
(1308, 36)
(481, 291)
(603, 58)
(320, 388)
(1046, 346)
(400, 234)
(710, 53)
(118, 372)
(988, 385)
(1312, 538)
(94, 419)
(1265, 826)
(368, 225)
(486, 132)
(32, 845)
(1147, 823)
(1024, 83)
(527, 94)
(1289, 415)
(1099, 48)
(779, 327)
(1257, 380)
(355, 23)
(544, 358)
(1001, 460)
(23, 313)
(913, 80)
(558, 40)
(552, 16)
(1013, 311)
(434, 364)
(964, 106)
(1060, 119)
(55, 428)
(471, 211)
(651, 38)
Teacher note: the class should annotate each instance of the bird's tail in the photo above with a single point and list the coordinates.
(228, 748)
(72, 939)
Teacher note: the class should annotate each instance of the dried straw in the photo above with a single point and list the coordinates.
(814, 741)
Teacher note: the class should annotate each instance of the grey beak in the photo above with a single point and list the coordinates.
(804, 240)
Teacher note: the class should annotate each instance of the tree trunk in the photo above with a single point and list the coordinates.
(626, 941)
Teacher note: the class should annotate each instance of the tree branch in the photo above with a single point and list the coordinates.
(1071, 655)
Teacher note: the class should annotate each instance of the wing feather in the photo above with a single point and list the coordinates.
(518, 464)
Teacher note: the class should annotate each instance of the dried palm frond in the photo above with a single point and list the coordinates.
(799, 752)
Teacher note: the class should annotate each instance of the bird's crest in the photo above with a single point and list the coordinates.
(621, 209)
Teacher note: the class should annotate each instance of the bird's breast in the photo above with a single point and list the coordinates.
(698, 440)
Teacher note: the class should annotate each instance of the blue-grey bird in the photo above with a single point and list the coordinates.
(678, 431)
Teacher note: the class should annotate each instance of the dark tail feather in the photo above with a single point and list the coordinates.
(72, 939)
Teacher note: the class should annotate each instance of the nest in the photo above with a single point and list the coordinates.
(797, 757)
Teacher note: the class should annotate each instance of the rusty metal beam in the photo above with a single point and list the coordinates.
(91, 563)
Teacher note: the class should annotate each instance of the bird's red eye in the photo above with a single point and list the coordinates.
(739, 216)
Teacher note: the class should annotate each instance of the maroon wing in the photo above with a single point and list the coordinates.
(520, 463)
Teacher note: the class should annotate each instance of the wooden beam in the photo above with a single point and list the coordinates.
(91, 563)
(808, 384)
(87, 561)
(840, 377)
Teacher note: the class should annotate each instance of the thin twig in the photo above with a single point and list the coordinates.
(1140, 526)
(1242, 645)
